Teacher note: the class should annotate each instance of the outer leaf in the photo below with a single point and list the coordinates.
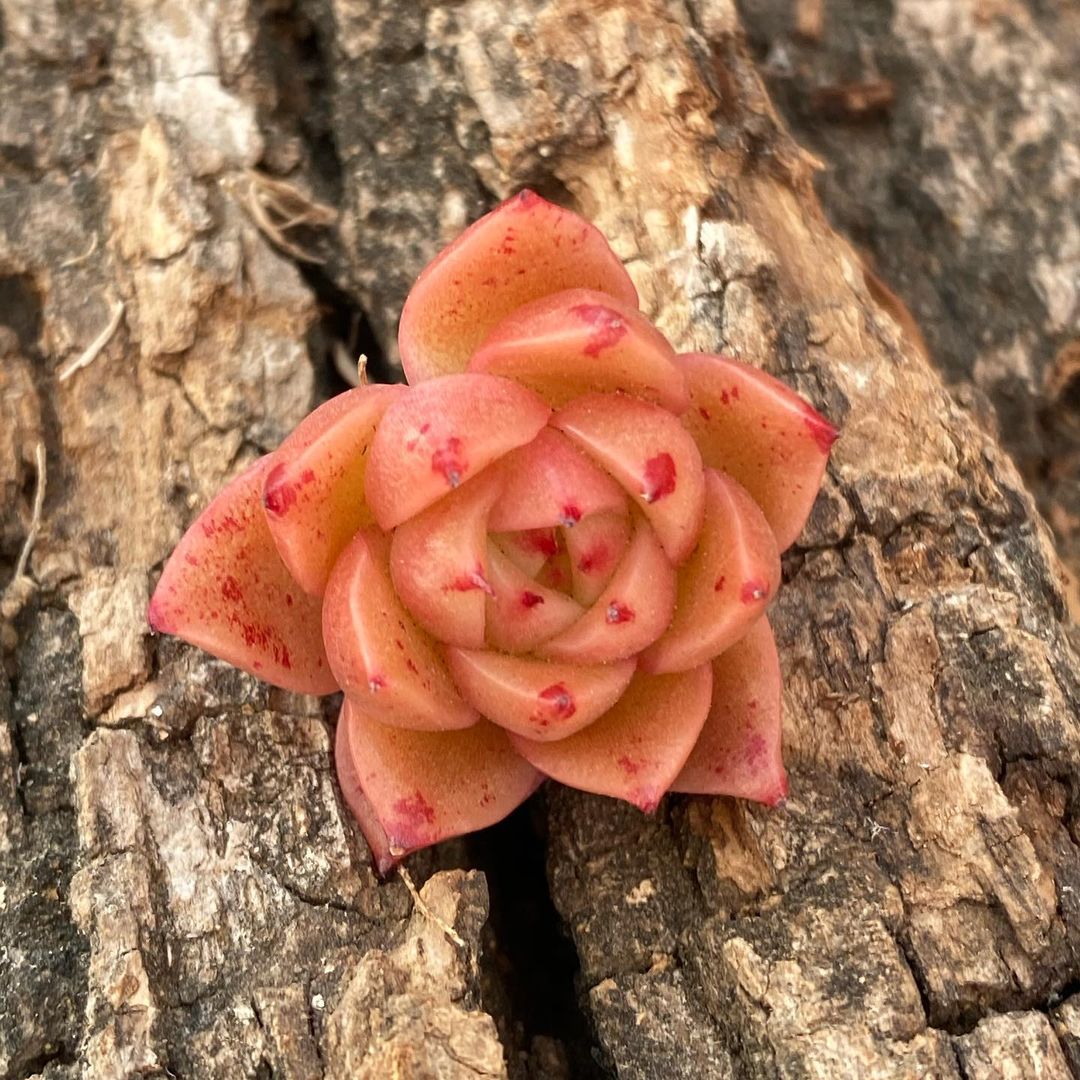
(524, 249)
(442, 433)
(580, 342)
(536, 698)
(381, 658)
(761, 432)
(550, 482)
(425, 786)
(226, 590)
(650, 453)
(725, 586)
(314, 490)
(439, 562)
(634, 608)
(636, 750)
(738, 752)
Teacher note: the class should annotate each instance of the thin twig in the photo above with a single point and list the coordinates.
(424, 910)
(352, 373)
(91, 352)
(68, 263)
(35, 512)
(277, 206)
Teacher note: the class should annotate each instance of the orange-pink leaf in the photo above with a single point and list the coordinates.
(440, 434)
(426, 786)
(633, 610)
(738, 752)
(550, 482)
(635, 750)
(537, 698)
(524, 249)
(521, 612)
(651, 454)
(380, 657)
(314, 489)
(439, 562)
(579, 342)
(762, 433)
(727, 583)
(226, 590)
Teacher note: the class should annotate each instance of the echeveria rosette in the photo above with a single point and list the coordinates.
(549, 556)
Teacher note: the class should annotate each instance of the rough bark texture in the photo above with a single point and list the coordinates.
(180, 892)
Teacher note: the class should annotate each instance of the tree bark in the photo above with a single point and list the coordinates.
(180, 890)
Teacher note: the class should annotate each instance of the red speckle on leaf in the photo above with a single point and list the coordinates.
(412, 667)
(414, 811)
(725, 397)
(659, 477)
(230, 589)
(631, 766)
(608, 327)
(191, 560)
(540, 540)
(227, 524)
(719, 586)
(571, 515)
(400, 644)
(307, 476)
(705, 414)
(283, 657)
(474, 579)
(288, 599)
(450, 461)
(531, 599)
(753, 591)
(735, 392)
(278, 496)
(594, 559)
(755, 751)
(618, 612)
(821, 431)
(556, 702)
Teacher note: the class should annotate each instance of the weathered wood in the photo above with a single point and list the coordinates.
(193, 869)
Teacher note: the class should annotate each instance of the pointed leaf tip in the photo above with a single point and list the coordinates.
(226, 590)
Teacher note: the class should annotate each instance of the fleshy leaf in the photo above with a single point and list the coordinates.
(550, 482)
(226, 590)
(380, 657)
(522, 612)
(738, 752)
(727, 583)
(596, 546)
(528, 550)
(524, 249)
(442, 433)
(538, 698)
(426, 786)
(633, 610)
(761, 432)
(356, 801)
(580, 342)
(635, 750)
(439, 562)
(314, 490)
(651, 454)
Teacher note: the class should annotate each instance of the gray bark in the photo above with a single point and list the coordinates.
(181, 890)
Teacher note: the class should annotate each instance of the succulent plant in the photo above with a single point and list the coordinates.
(549, 555)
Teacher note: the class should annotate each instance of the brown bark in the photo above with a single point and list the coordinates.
(181, 891)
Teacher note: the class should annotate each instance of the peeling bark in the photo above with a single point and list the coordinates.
(180, 887)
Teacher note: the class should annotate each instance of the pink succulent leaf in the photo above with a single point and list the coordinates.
(383, 661)
(442, 433)
(357, 802)
(636, 749)
(314, 490)
(439, 562)
(739, 750)
(580, 342)
(595, 547)
(762, 433)
(633, 610)
(725, 586)
(427, 786)
(651, 454)
(550, 482)
(538, 699)
(226, 590)
(524, 249)
(521, 613)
